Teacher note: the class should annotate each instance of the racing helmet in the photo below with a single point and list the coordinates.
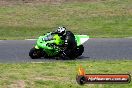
(61, 30)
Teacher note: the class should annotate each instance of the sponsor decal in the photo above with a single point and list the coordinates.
(83, 78)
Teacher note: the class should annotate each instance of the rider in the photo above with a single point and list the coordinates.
(69, 40)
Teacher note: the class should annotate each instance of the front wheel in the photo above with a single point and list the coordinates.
(35, 53)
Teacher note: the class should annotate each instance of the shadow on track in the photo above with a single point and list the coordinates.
(52, 58)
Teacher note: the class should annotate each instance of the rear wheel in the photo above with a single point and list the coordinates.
(78, 51)
(35, 53)
(72, 54)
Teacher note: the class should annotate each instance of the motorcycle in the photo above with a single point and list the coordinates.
(48, 46)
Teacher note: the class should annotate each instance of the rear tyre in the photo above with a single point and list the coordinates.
(35, 53)
(72, 54)
(78, 51)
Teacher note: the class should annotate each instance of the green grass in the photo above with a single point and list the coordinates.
(60, 74)
(107, 18)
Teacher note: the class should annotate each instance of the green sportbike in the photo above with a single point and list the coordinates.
(48, 46)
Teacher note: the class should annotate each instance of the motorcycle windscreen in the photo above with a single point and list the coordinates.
(81, 39)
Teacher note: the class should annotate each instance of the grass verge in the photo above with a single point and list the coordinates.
(97, 18)
(59, 74)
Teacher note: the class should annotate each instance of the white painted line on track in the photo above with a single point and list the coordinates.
(2, 41)
(30, 39)
(37, 62)
(128, 37)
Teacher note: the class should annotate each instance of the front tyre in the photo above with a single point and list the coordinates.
(35, 53)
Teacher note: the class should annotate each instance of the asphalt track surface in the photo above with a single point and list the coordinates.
(95, 48)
